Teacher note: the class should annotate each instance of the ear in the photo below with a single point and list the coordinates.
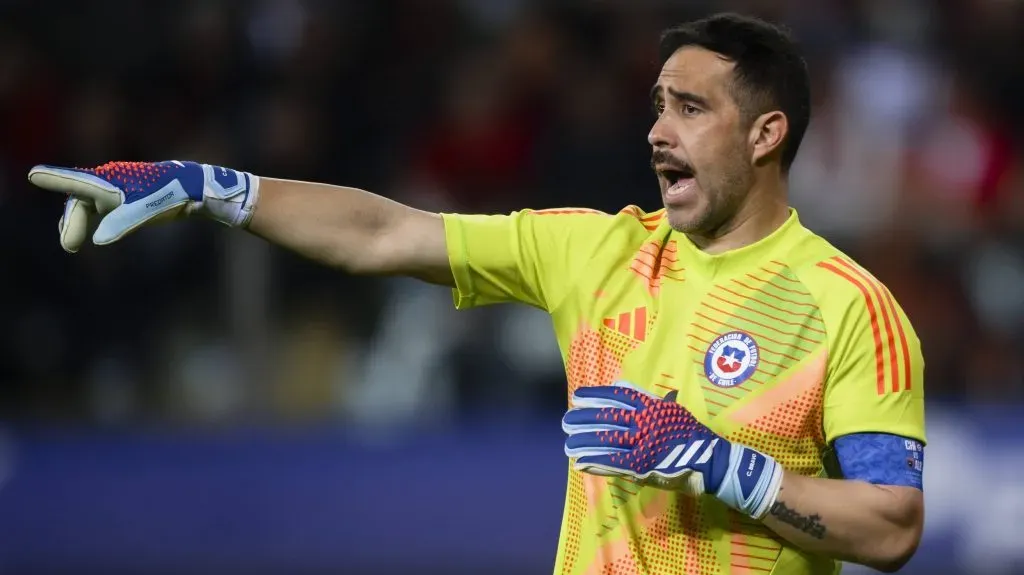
(767, 134)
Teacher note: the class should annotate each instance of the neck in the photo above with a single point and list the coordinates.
(763, 212)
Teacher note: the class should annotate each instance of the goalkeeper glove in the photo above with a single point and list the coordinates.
(119, 197)
(622, 431)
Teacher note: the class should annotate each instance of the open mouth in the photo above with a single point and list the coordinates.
(677, 177)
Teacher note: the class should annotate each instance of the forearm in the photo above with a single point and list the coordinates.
(355, 230)
(849, 520)
(329, 224)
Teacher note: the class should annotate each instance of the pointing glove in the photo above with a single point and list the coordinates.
(119, 197)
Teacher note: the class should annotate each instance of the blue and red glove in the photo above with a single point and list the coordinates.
(118, 197)
(623, 431)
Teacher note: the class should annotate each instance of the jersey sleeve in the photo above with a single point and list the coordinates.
(875, 373)
(531, 257)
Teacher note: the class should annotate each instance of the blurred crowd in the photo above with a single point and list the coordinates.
(912, 164)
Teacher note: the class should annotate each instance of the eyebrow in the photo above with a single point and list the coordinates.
(680, 95)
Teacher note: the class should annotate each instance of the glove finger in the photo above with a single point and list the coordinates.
(633, 387)
(583, 419)
(599, 443)
(161, 204)
(78, 219)
(621, 395)
(608, 465)
(105, 195)
(684, 480)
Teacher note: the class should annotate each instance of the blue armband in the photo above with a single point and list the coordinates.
(881, 459)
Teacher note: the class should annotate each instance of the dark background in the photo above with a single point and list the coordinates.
(195, 400)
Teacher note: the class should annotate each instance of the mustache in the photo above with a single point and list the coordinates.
(663, 158)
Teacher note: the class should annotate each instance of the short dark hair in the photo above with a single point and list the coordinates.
(770, 73)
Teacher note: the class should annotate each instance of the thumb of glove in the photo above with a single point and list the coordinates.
(77, 221)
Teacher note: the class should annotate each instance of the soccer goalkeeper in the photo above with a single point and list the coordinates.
(742, 396)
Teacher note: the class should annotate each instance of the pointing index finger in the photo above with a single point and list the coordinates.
(75, 182)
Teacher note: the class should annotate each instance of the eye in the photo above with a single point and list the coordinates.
(658, 108)
(689, 110)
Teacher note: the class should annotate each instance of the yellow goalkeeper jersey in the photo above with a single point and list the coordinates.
(783, 345)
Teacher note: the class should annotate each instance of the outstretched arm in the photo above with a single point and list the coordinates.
(352, 229)
(347, 228)
(532, 257)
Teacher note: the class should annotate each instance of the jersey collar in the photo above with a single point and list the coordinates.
(740, 260)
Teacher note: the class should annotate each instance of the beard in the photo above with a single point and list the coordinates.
(720, 193)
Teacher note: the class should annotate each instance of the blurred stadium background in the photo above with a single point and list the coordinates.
(194, 401)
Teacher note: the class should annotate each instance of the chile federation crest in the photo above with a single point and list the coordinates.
(731, 359)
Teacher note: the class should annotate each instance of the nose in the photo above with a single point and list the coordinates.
(661, 134)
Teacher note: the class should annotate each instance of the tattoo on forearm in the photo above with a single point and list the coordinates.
(809, 524)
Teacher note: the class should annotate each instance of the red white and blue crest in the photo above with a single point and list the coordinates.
(731, 359)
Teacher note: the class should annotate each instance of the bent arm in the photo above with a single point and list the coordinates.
(875, 525)
(353, 230)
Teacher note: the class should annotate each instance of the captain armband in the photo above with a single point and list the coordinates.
(881, 459)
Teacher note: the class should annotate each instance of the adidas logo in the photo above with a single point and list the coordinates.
(630, 323)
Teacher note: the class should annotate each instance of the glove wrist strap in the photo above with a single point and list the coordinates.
(229, 196)
(752, 483)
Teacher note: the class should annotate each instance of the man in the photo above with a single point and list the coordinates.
(743, 397)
